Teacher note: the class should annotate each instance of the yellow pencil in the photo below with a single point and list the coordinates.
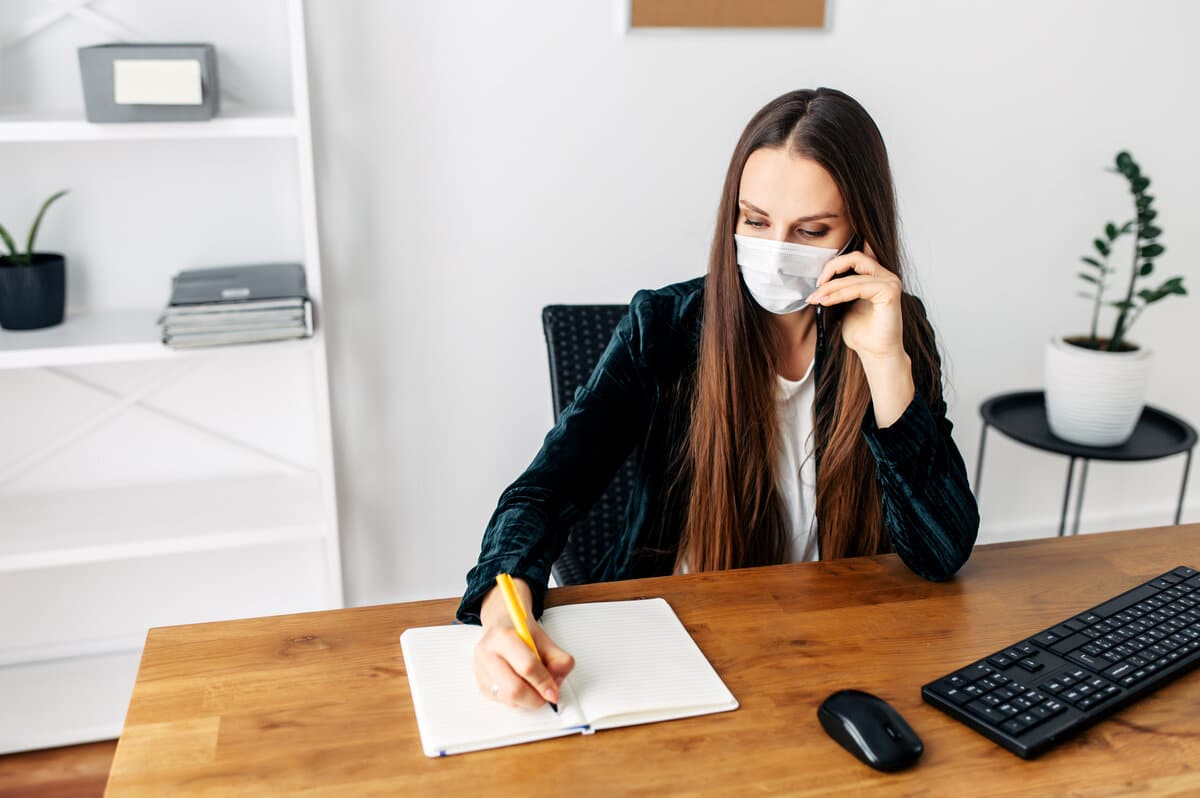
(516, 611)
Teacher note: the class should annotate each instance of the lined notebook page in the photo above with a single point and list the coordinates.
(452, 714)
(635, 659)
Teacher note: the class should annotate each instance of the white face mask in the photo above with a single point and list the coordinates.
(780, 275)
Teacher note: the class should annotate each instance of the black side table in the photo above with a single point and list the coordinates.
(1022, 417)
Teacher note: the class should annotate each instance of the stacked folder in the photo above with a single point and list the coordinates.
(237, 305)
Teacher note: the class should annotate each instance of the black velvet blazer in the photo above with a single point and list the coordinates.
(637, 399)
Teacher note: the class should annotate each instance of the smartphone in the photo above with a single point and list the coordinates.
(855, 244)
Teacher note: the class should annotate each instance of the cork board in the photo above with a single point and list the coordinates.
(727, 13)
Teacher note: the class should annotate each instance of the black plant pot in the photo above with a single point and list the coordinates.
(33, 296)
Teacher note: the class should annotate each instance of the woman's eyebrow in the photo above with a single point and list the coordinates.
(811, 218)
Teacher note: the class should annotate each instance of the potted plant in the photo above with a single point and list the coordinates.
(33, 285)
(1096, 386)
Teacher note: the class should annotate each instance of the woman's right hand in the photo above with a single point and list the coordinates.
(505, 668)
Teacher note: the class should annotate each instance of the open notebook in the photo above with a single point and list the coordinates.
(634, 663)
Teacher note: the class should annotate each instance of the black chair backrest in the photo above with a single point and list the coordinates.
(576, 336)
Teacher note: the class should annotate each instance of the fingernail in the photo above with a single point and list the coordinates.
(551, 695)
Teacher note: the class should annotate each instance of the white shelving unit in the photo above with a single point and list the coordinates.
(142, 486)
(30, 127)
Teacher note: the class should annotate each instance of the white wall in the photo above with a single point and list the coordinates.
(478, 160)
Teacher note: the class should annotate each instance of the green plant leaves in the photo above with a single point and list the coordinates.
(1094, 262)
(1101, 247)
(1172, 286)
(12, 245)
(37, 222)
(1146, 268)
(1110, 230)
(1152, 250)
(1150, 231)
(1089, 278)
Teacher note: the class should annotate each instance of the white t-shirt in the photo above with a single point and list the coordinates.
(796, 469)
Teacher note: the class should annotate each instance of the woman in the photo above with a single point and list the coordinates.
(787, 406)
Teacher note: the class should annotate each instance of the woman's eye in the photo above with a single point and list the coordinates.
(813, 233)
(754, 223)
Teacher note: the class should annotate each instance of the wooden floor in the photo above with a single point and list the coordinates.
(76, 772)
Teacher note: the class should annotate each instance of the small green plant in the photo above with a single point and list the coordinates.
(26, 259)
(1146, 247)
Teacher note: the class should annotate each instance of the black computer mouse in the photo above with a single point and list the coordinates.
(871, 729)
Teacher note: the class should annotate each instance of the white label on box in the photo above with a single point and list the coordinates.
(145, 81)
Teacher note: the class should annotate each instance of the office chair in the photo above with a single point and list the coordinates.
(576, 336)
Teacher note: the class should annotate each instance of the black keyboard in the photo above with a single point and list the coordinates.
(1037, 692)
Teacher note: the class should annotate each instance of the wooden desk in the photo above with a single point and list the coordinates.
(318, 704)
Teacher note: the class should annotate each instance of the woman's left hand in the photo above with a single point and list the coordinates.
(872, 325)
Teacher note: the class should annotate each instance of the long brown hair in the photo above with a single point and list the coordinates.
(735, 517)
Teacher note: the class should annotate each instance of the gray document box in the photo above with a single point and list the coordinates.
(149, 82)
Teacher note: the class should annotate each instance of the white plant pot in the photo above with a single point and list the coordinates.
(1094, 398)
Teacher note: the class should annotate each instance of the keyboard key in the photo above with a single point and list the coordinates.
(957, 681)
(1013, 727)
(1000, 661)
(1184, 571)
(1118, 670)
(1054, 686)
(1048, 709)
(1033, 666)
(951, 693)
(974, 672)
(1074, 641)
(1075, 625)
(996, 717)
(1047, 638)
(1029, 719)
(1096, 664)
(979, 709)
